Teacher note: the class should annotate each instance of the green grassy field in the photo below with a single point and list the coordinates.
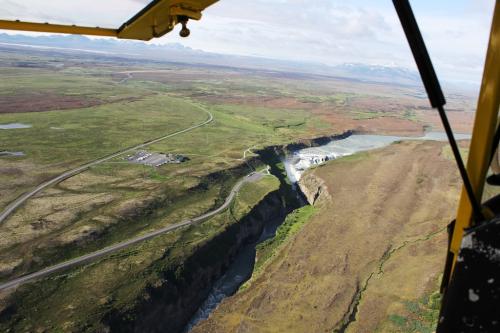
(67, 82)
(75, 136)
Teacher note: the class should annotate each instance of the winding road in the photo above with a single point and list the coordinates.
(70, 173)
(252, 177)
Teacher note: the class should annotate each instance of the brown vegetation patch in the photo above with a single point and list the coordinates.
(17, 176)
(388, 125)
(39, 102)
(260, 101)
(342, 122)
(11, 171)
(46, 214)
(390, 105)
(461, 121)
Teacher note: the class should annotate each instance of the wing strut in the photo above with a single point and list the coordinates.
(155, 20)
(433, 88)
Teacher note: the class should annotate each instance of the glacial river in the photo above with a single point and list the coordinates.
(303, 159)
(242, 267)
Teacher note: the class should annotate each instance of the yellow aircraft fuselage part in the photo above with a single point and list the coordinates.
(155, 20)
(57, 28)
(160, 17)
(485, 124)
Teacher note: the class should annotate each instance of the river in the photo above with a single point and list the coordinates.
(303, 159)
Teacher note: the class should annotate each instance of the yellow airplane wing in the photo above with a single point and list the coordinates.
(155, 20)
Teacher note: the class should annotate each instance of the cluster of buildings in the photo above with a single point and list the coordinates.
(155, 159)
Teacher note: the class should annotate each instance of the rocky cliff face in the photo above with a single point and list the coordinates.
(320, 141)
(168, 306)
(314, 189)
(283, 150)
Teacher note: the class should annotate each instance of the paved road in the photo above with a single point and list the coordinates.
(70, 173)
(252, 177)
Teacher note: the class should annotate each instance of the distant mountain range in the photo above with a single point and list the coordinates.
(175, 52)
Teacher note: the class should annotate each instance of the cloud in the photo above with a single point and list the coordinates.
(334, 32)
(109, 13)
(325, 31)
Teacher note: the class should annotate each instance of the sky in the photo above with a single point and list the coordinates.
(322, 31)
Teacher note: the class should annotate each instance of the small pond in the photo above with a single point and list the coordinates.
(14, 126)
